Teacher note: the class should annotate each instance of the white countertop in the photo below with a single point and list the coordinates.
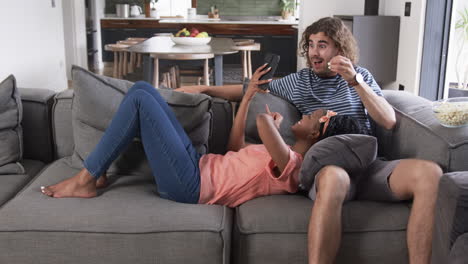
(206, 20)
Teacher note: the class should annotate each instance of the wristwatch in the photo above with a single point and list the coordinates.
(356, 80)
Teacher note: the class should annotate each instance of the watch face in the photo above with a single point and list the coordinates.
(359, 78)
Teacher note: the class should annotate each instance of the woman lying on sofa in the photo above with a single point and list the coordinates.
(183, 175)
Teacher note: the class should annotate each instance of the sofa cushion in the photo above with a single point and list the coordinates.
(10, 184)
(418, 134)
(276, 104)
(96, 99)
(273, 229)
(126, 223)
(352, 152)
(459, 252)
(11, 138)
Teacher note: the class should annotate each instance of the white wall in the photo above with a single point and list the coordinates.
(74, 25)
(411, 32)
(32, 43)
(411, 42)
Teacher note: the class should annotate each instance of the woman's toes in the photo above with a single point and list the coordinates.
(46, 191)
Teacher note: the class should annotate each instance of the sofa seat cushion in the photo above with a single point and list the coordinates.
(273, 229)
(10, 184)
(127, 220)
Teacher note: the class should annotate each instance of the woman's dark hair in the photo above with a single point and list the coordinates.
(341, 124)
(335, 29)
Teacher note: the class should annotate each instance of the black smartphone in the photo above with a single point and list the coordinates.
(272, 60)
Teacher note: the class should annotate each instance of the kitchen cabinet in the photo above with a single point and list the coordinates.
(378, 40)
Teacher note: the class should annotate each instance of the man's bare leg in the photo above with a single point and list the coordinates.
(418, 179)
(324, 235)
(82, 185)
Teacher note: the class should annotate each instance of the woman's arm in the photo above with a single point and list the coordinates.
(228, 92)
(268, 125)
(237, 135)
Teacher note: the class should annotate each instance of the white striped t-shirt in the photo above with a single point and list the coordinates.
(308, 92)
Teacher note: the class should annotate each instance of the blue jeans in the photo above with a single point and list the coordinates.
(173, 159)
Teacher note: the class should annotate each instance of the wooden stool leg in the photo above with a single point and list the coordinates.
(130, 64)
(244, 64)
(139, 60)
(125, 63)
(115, 72)
(121, 62)
(156, 73)
(206, 73)
(249, 64)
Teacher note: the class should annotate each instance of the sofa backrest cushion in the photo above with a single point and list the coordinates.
(352, 152)
(96, 99)
(11, 138)
(276, 104)
(418, 134)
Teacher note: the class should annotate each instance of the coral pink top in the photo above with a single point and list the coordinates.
(237, 177)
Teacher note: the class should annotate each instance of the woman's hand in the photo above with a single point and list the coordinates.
(343, 66)
(253, 88)
(277, 117)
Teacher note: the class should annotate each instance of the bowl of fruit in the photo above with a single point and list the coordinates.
(191, 38)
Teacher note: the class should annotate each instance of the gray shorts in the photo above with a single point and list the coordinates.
(371, 185)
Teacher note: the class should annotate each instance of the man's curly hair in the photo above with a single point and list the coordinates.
(335, 29)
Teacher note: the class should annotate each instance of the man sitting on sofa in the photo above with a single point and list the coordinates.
(333, 81)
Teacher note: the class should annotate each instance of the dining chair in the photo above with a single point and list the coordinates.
(175, 56)
(246, 55)
(120, 56)
(129, 65)
(138, 56)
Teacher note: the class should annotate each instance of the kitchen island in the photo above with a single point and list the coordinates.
(274, 35)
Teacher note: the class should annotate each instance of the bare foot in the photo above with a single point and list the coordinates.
(82, 185)
(102, 181)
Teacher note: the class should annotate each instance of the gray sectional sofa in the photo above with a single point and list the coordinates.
(129, 223)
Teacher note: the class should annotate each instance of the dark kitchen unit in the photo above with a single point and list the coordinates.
(90, 35)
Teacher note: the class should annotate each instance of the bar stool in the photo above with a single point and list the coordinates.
(246, 57)
(132, 62)
(138, 56)
(157, 57)
(120, 55)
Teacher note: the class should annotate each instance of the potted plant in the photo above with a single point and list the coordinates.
(287, 9)
(461, 65)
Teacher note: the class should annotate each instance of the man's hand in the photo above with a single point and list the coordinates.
(192, 89)
(253, 88)
(343, 66)
(277, 117)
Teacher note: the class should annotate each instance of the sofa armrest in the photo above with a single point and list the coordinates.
(418, 134)
(451, 214)
(36, 124)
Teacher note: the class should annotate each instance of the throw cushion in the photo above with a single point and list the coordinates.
(11, 138)
(276, 104)
(352, 152)
(96, 99)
